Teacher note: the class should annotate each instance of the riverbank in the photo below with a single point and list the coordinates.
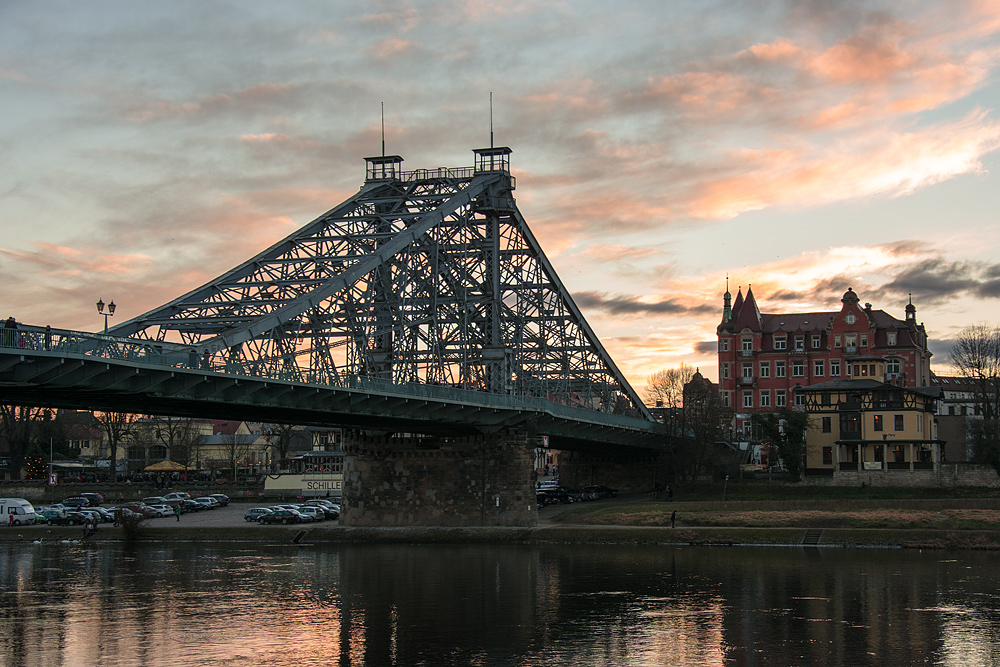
(304, 535)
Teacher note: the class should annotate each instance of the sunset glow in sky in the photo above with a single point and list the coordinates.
(803, 146)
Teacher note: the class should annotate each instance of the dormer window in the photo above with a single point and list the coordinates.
(800, 343)
(890, 338)
(816, 342)
(850, 319)
(779, 343)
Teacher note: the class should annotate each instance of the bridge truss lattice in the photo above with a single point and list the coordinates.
(427, 276)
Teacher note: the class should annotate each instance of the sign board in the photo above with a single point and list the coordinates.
(52, 479)
(873, 465)
(545, 441)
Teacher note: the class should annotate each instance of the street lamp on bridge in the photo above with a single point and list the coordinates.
(110, 313)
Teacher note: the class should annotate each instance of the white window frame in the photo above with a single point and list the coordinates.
(780, 342)
(798, 369)
(834, 367)
(819, 368)
(765, 369)
(779, 369)
(748, 399)
(779, 398)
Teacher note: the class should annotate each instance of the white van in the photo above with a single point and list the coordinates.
(16, 512)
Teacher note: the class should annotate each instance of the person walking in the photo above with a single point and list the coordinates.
(177, 511)
(673, 518)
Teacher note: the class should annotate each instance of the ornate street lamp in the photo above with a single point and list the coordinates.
(111, 311)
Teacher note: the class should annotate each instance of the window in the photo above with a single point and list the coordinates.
(877, 423)
(800, 343)
(850, 319)
(779, 398)
(864, 340)
(851, 342)
(725, 398)
(765, 369)
(747, 345)
(920, 424)
(765, 399)
(834, 367)
(897, 422)
(779, 343)
(890, 338)
(892, 366)
(828, 456)
(725, 371)
(747, 371)
(798, 369)
(748, 399)
(824, 398)
(836, 340)
(879, 453)
(827, 424)
(898, 454)
(800, 398)
(779, 369)
(816, 342)
(818, 368)
(724, 345)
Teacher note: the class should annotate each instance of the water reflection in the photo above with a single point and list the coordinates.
(71, 604)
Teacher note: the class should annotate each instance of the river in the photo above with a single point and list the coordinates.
(69, 604)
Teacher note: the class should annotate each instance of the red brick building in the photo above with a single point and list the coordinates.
(765, 357)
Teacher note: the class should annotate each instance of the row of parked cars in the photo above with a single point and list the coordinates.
(78, 510)
(550, 493)
(317, 509)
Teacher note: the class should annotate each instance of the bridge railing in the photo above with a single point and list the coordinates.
(60, 342)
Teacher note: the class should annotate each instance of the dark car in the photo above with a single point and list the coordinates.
(191, 506)
(76, 501)
(221, 497)
(281, 516)
(95, 499)
(57, 518)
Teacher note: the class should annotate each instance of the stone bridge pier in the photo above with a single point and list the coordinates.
(431, 481)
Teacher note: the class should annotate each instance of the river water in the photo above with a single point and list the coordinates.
(186, 604)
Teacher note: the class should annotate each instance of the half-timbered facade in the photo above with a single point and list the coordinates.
(865, 423)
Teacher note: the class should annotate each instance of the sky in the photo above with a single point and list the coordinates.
(801, 147)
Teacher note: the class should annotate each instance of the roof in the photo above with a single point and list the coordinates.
(870, 385)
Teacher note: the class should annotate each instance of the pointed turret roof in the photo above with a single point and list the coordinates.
(748, 315)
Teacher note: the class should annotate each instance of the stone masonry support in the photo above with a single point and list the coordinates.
(423, 481)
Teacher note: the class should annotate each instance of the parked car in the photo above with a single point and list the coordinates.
(106, 515)
(177, 495)
(94, 515)
(160, 511)
(222, 498)
(255, 513)
(281, 516)
(76, 502)
(207, 502)
(138, 508)
(161, 500)
(329, 509)
(189, 505)
(60, 518)
(312, 512)
(95, 499)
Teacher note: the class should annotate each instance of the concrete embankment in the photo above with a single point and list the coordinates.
(561, 534)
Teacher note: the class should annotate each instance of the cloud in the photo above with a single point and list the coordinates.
(255, 98)
(623, 304)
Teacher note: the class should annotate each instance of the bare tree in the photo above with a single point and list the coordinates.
(117, 427)
(18, 427)
(665, 390)
(237, 447)
(976, 357)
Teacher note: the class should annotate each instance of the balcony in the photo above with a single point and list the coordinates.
(746, 353)
(747, 379)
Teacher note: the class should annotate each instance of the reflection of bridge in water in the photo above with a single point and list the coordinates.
(422, 305)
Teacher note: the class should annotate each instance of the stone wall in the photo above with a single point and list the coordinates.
(949, 475)
(474, 481)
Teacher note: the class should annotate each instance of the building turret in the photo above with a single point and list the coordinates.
(727, 307)
(911, 312)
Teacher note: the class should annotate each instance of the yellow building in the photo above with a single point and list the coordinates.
(866, 424)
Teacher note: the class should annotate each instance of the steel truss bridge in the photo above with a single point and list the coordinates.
(422, 304)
